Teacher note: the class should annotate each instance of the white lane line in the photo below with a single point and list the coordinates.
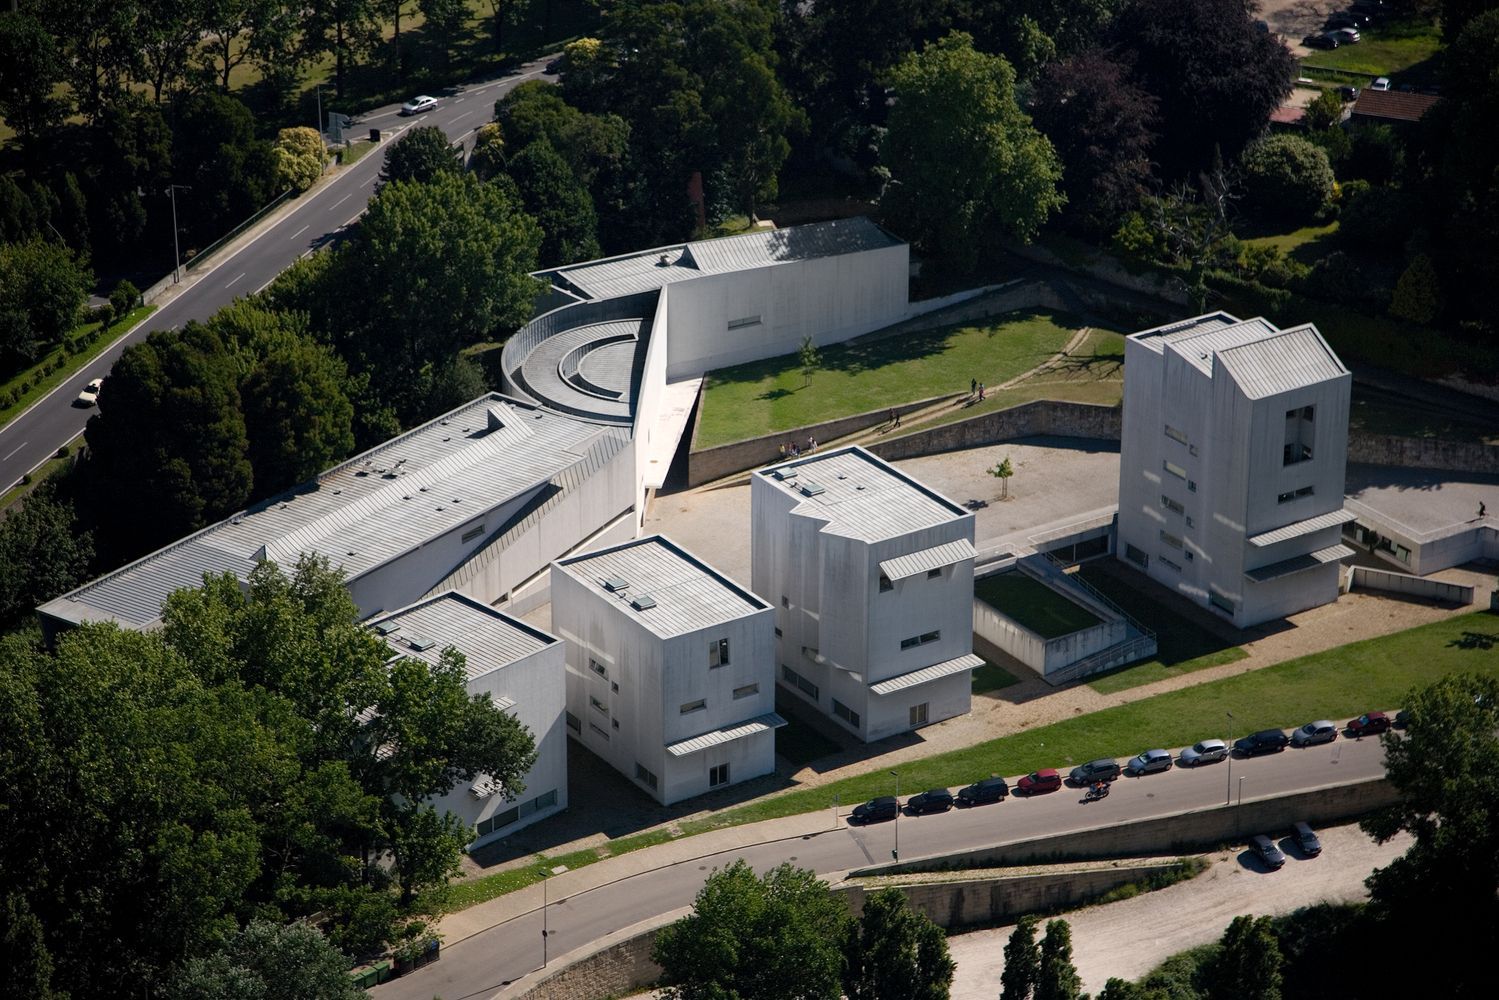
(299, 232)
(340, 201)
(7, 458)
(370, 180)
(235, 278)
(460, 118)
(353, 218)
(457, 100)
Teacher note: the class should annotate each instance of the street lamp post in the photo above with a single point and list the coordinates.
(176, 252)
(895, 854)
(319, 90)
(1228, 795)
(544, 932)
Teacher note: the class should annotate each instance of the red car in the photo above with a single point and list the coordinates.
(1044, 780)
(1371, 724)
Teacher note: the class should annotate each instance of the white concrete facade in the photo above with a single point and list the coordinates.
(522, 670)
(871, 575)
(670, 668)
(1232, 457)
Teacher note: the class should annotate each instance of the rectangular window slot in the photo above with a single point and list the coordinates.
(742, 322)
(932, 574)
(694, 706)
(845, 713)
(598, 668)
(602, 733)
(748, 691)
(1171, 540)
(1174, 469)
(644, 776)
(473, 533)
(1135, 556)
(885, 583)
(597, 705)
(1175, 435)
(919, 713)
(1172, 505)
(718, 775)
(799, 682)
(718, 653)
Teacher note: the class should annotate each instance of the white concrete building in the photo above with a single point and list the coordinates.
(1231, 464)
(670, 668)
(872, 577)
(521, 668)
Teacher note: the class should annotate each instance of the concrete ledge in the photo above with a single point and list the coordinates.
(1042, 416)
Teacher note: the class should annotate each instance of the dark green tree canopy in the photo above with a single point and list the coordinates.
(1287, 178)
(895, 953)
(42, 288)
(268, 961)
(559, 203)
(1022, 961)
(1057, 978)
(1247, 965)
(44, 552)
(422, 155)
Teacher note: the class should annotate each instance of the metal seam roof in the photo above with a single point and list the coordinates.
(1298, 564)
(488, 639)
(1303, 527)
(937, 671)
(861, 496)
(737, 731)
(1289, 360)
(935, 557)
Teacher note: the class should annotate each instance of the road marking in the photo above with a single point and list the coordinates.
(372, 179)
(299, 232)
(235, 278)
(7, 458)
(458, 100)
(340, 201)
(460, 118)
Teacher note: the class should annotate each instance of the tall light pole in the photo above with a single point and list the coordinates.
(319, 89)
(895, 854)
(1229, 793)
(176, 253)
(544, 932)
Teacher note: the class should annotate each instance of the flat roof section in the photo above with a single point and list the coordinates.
(1422, 504)
(860, 495)
(487, 638)
(363, 513)
(667, 588)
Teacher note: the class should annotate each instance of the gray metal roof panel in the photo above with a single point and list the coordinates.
(487, 638)
(1199, 347)
(1157, 337)
(1288, 360)
(926, 560)
(936, 671)
(1299, 564)
(688, 593)
(738, 731)
(1303, 527)
(861, 496)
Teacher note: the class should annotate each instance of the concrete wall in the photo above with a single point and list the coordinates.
(1422, 453)
(1107, 268)
(1365, 578)
(648, 402)
(1042, 416)
(709, 464)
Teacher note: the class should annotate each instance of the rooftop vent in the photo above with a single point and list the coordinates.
(421, 643)
(614, 584)
(663, 261)
(643, 602)
(386, 628)
(780, 473)
(809, 489)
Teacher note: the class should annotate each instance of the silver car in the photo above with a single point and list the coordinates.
(1149, 762)
(1204, 752)
(1309, 735)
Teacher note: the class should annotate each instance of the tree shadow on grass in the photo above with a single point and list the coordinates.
(775, 394)
(1476, 640)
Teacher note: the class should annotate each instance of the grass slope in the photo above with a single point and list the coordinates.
(1032, 604)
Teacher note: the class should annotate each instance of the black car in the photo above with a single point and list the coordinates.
(934, 800)
(875, 810)
(980, 792)
(1306, 839)
(1264, 741)
(1267, 851)
(1321, 40)
(1103, 769)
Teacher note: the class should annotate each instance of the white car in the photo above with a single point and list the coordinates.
(1204, 752)
(418, 105)
(1347, 36)
(1382, 83)
(90, 394)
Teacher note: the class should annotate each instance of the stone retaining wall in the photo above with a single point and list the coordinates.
(1422, 453)
(1042, 416)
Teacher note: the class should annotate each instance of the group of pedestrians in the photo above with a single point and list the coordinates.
(976, 390)
(792, 450)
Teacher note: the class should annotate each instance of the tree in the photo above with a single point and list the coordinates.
(445, 20)
(42, 288)
(1443, 766)
(421, 155)
(591, 144)
(124, 297)
(1325, 111)
(1102, 125)
(1057, 979)
(268, 961)
(300, 157)
(965, 162)
(169, 33)
(344, 29)
(31, 69)
(810, 359)
(1192, 227)
(1247, 966)
(559, 203)
(1022, 961)
(1287, 178)
(44, 552)
(1418, 293)
(129, 160)
(231, 172)
(1216, 77)
(895, 953)
(1003, 471)
(754, 938)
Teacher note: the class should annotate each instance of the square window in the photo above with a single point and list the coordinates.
(885, 583)
(778, 632)
(597, 705)
(748, 691)
(574, 723)
(597, 667)
(718, 775)
(1135, 556)
(614, 686)
(785, 601)
(932, 574)
(919, 713)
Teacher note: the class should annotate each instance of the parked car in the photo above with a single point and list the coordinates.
(980, 792)
(875, 810)
(1103, 769)
(1266, 850)
(1313, 733)
(418, 105)
(1045, 780)
(1149, 762)
(1402, 719)
(1264, 741)
(1306, 840)
(1347, 36)
(90, 394)
(1348, 93)
(1380, 83)
(1369, 724)
(1203, 752)
(931, 801)
(1321, 40)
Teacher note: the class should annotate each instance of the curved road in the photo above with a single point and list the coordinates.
(478, 966)
(32, 438)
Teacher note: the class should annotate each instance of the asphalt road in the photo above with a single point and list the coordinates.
(35, 436)
(480, 965)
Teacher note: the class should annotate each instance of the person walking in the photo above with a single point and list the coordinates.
(783, 450)
(981, 392)
(973, 387)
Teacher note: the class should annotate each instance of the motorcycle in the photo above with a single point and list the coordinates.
(1095, 793)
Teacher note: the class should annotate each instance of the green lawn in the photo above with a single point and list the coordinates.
(1337, 683)
(1182, 645)
(1380, 413)
(870, 374)
(992, 677)
(1384, 51)
(37, 385)
(1032, 604)
(1307, 244)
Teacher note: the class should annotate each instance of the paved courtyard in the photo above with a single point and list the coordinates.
(1423, 501)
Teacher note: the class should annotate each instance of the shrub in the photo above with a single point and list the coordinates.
(1374, 221)
(1287, 178)
(102, 314)
(1324, 112)
(1418, 293)
(300, 157)
(124, 298)
(63, 451)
